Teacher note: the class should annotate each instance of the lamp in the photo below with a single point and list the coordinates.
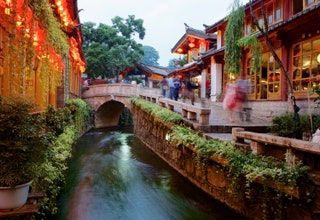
(191, 45)
(318, 58)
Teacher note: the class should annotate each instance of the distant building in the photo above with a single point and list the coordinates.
(150, 75)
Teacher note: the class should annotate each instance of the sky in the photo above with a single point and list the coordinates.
(163, 19)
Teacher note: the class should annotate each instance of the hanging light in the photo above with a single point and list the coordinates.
(191, 45)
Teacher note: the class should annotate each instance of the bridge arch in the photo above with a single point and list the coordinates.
(108, 114)
(108, 100)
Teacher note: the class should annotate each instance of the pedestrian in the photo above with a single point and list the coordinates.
(243, 86)
(177, 86)
(188, 90)
(231, 102)
(171, 87)
(164, 86)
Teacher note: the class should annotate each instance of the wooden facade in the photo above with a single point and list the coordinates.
(294, 32)
(40, 51)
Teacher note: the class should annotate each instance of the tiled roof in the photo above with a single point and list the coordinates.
(153, 69)
(187, 67)
(211, 52)
(210, 28)
(273, 27)
(191, 32)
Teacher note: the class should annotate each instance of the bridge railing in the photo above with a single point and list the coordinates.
(279, 147)
(118, 89)
(190, 112)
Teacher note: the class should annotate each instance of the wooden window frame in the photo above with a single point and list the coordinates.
(269, 83)
(305, 73)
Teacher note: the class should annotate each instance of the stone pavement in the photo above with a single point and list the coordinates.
(220, 125)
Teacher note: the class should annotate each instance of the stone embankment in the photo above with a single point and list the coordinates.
(214, 176)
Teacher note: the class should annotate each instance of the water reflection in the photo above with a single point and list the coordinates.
(114, 176)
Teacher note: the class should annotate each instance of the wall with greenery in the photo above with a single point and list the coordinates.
(66, 125)
(262, 181)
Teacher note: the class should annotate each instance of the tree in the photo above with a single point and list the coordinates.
(172, 64)
(151, 56)
(110, 49)
(233, 33)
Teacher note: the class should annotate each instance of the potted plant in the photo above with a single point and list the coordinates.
(219, 97)
(24, 143)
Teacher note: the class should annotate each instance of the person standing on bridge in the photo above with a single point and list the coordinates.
(171, 87)
(177, 86)
(164, 86)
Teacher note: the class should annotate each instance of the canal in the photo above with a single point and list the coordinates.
(113, 175)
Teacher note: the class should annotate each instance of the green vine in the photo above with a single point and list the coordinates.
(251, 42)
(55, 36)
(234, 32)
(155, 110)
(249, 166)
(67, 124)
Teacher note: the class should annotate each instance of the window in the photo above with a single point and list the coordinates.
(193, 54)
(270, 13)
(277, 11)
(267, 82)
(297, 6)
(309, 2)
(306, 65)
(252, 77)
(300, 5)
(273, 14)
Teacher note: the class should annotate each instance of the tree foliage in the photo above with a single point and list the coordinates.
(234, 32)
(252, 43)
(110, 49)
(151, 56)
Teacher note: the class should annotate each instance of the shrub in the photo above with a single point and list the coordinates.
(285, 125)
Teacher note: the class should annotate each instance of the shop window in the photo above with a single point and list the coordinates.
(267, 82)
(306, 65)
(252, 77)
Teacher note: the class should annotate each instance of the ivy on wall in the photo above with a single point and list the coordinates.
(34, 47)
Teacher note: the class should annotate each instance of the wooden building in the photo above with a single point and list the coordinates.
(40, 50)
(294, 31)
(150, 75)
(192, 44)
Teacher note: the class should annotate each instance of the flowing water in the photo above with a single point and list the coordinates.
(113, 175)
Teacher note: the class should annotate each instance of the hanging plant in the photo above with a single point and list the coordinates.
(55, 36)
(233, 33)
(252, 43)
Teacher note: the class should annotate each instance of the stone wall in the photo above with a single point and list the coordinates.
(214, 178)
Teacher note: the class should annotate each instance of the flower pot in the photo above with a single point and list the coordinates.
(14, 197)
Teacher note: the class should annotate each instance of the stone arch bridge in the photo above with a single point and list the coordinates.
(108, 101)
